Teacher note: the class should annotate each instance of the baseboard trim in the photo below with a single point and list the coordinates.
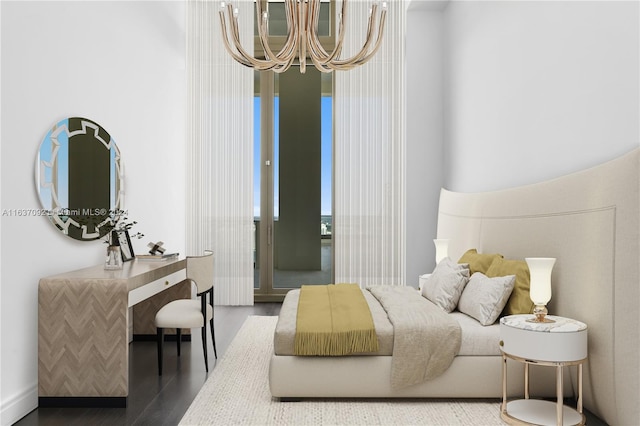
(83, 401)
(16, 407)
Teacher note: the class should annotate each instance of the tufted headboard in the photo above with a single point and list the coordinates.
(589, 221)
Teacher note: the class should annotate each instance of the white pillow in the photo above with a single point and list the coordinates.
(484, 298)
(446, 283)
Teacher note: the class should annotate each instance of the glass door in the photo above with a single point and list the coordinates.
(293, 181)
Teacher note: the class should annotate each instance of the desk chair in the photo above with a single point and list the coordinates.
(190, 313)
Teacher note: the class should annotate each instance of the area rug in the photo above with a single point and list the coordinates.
(237, 393)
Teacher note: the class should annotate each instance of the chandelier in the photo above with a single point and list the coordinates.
(302, 40)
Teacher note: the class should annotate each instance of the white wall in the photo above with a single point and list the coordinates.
(536, 90)
(502, 94)
(424, 166)
(121, 64)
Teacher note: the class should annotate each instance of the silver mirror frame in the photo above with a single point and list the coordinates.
(51, 181)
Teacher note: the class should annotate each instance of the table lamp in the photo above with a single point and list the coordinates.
(442, 249)
(540, 285)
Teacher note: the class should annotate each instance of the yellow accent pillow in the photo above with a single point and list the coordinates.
(519, 302)
(478, 262)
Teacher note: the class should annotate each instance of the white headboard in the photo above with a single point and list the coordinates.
(590, 222)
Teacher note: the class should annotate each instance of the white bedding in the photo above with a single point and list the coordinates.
(425, 338)
(477, 340)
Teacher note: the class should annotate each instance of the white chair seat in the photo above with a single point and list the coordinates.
(184, 313)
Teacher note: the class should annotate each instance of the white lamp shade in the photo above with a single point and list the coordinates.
(442, 249)
(540, 272)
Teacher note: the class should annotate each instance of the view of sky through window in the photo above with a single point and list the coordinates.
(326, 156)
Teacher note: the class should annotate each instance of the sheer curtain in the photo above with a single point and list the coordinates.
(369, 159)
(220, 151)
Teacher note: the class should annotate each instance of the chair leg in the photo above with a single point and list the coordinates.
(213, 339)
(213, 336)
(160, 338)
(178, 338)
(204, 346)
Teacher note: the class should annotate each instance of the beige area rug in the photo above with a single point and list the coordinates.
(237, 393)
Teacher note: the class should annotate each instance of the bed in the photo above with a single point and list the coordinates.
(588, 221)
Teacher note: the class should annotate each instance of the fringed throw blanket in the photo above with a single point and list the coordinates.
(426, 339)
(334, 320)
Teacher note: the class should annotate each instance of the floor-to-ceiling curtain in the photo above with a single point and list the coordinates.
(220, 151)
(369, 120)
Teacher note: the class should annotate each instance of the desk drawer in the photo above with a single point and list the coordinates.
(154, 287)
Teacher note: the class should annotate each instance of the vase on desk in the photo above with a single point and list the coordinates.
(114, 255)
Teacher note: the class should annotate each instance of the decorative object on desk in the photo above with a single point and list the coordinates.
(540, 286)
(114, 256)
(118, 222)
(125, 246)
(166, 256)
(120, 236)
(156, 247)
(442, 249)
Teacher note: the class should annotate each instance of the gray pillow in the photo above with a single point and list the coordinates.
(446, 283)
(484, 298)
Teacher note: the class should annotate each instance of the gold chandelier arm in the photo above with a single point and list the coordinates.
(240, 54)
(227, 45)
(283, 68)
(315, 47)
(282, 61)
(364, 55)
(318, 55)
(330, 62)
(368, 40)
(260, 65)
(293, 27)
(288, 51)
(320, 66)
(378, 41)
(302, 30)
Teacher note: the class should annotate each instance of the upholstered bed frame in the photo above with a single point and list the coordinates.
(590, 222)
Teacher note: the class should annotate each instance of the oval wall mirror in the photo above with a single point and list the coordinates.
(79, 178)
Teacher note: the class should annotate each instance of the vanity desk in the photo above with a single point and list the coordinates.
(83, 328)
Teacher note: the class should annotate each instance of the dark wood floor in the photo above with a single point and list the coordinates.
(155, 400)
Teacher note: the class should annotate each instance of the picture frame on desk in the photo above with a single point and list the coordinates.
(126, 248)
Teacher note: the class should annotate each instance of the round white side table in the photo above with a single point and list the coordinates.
(556, 344)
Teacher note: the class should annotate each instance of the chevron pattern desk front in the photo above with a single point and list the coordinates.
(83, 321)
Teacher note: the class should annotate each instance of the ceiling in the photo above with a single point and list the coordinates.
(427, 4)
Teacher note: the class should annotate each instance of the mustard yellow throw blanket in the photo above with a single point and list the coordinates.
(334, 320)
